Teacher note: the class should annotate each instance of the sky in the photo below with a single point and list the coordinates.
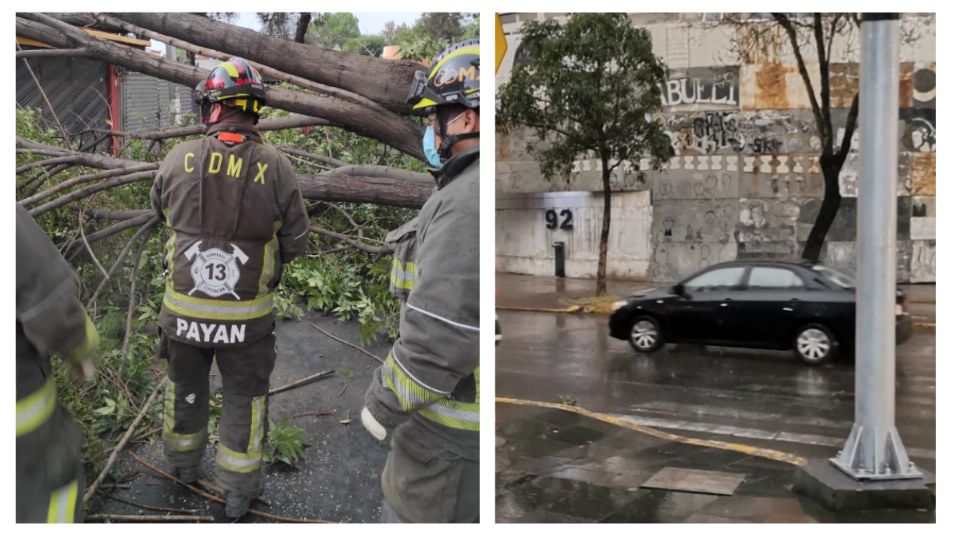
(370, 23)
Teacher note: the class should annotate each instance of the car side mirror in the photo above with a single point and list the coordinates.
(679, 290)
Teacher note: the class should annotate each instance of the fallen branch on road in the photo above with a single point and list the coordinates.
(139, 517)
(126, 437)
(303, 381)
(214, 498)
(364, 351)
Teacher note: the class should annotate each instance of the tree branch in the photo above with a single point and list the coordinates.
(374, 250)
(824, 81)
(785, 23)
(46, 53)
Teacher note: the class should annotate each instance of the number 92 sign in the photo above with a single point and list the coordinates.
(565, 215)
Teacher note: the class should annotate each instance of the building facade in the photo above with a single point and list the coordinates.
(745, 181)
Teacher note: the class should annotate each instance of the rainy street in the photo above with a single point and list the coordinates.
(551, 464)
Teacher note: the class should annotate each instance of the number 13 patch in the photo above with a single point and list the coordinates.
(214, 271)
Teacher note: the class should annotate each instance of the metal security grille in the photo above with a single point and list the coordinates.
(77, 89)
(149, 103)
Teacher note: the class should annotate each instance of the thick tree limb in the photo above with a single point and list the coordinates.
(262, 68)
(270, 124)
(364, 183)
(89, 159)
(40, 53)
(400, 133)
(384, 81)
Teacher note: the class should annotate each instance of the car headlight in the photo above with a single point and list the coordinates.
(619, 304)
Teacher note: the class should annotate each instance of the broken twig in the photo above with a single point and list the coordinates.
(138, 517)
(214, 498)
(328, 334)
(301, 382)
(126, 437)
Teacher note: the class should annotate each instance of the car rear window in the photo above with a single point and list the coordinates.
(716, 279)
(765, 277)
(838, 278)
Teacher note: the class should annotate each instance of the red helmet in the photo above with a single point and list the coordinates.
(236, 84)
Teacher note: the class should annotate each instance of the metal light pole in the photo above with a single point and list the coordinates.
(873, 450)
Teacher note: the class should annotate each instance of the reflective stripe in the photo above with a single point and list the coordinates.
(236, 461)
(182, 442)
(220, 310)
(439, 318)
(63, 503)
(170, 247)
(403, 275)
(37, 408)
(269, 260)
(257, 406)
(456, 414)
(410, 392)
(473, 49)
(464, 416)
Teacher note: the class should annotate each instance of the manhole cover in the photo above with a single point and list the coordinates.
(696, 481)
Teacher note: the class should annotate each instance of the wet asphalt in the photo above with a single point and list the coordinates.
(559, 466)
(339, 478)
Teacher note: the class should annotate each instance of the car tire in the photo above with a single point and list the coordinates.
(815, 344)
(645, 335)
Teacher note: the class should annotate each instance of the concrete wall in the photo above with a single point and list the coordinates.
(525, 242)
(745, 181)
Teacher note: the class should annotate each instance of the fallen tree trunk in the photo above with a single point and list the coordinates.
(270, 124)
(352, 183)
(384, 81)
(395, 131)
(306, 84)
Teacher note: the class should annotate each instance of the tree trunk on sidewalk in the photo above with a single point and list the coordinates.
(384, 81)
(604, 229)
(830, 165)
(398, 132)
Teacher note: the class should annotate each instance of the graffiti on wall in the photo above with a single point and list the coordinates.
(925, 85)
(716, 88)
(704, 133)
(919, 129)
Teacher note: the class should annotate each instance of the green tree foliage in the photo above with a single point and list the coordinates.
(432, 33)
(588, 88)
(334, 30)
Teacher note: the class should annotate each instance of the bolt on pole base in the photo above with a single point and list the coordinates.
(875, 454)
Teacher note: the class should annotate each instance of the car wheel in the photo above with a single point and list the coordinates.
(814, 344)
(645, 336)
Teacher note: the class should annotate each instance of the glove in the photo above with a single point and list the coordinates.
(83, 357)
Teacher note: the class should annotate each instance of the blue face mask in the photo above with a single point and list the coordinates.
(433, 157)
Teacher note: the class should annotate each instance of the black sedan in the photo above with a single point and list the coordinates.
(762, 304)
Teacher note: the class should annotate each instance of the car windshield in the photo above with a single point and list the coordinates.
(839, 278)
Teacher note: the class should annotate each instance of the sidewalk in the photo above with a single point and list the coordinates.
(548, 293)
(559, 467)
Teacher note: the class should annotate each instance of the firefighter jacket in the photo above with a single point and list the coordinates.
(50, 320)
(432, 373)
(235, 215)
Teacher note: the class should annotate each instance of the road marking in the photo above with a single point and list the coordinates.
(774, 455)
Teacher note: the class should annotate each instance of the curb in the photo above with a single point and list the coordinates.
(926, 325)
(577, 309)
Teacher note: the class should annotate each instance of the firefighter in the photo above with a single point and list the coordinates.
(50, 320)
(235, 215)
(424, 399)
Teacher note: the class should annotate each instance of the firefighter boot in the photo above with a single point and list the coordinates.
(237, 505)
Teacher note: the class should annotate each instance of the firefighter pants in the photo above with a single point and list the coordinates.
(243, 422)
(423, 481)
(50, 479)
